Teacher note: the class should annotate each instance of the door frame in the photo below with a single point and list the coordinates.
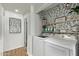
(25, 32)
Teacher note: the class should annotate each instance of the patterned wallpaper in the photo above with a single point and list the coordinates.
(57, 11)
(61, 9)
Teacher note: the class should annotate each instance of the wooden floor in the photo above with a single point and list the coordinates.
(16, 52)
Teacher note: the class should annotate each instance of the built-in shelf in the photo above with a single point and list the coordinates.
(65, 20)
(62, 32)
(55, 23)
(61, 22)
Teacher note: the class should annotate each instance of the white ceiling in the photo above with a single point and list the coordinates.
(22, 7)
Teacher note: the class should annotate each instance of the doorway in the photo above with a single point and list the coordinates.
(25, 33)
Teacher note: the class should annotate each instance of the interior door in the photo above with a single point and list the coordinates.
(55, 50)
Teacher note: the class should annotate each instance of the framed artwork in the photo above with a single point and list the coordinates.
(14, 25)
(59, 23)
(60, 19)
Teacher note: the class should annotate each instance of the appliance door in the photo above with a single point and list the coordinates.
(55, 50)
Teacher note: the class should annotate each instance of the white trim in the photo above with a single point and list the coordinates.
(13, 48)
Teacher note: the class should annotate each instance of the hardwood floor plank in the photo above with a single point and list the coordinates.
(16, 52)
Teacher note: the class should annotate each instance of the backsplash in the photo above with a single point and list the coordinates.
(60, 10)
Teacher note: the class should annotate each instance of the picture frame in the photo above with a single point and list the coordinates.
(59, 23)
(14, 25)
(60, 19)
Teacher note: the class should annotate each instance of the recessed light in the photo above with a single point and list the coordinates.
(16, 10)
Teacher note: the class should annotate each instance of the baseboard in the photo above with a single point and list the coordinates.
(29, 54)
(1, 53)
(13, 48)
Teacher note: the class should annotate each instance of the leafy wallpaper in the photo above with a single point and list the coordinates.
(61, 9)
(57, 11)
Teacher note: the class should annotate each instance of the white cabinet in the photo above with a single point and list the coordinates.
(38, 46)
(55, 50)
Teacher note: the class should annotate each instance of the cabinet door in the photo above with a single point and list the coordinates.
(55, 50)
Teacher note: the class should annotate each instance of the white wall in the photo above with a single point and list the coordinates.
(16, 40)
(1, 40)
(38, 25)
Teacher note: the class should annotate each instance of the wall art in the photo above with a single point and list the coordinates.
(14, 25)
(60, 19)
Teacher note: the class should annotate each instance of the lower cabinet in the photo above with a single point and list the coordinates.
(43, 48)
